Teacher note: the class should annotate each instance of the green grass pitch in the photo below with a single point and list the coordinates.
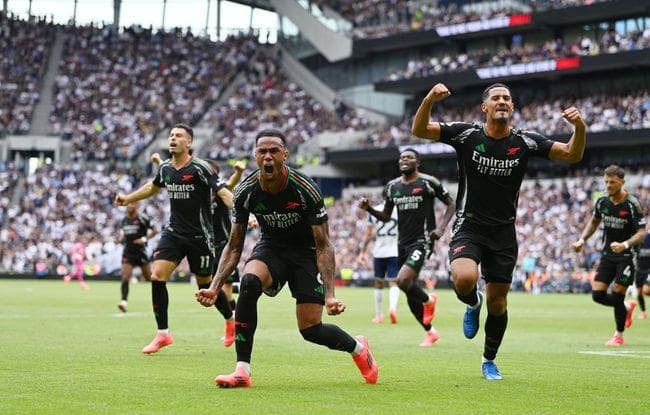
(66, 351)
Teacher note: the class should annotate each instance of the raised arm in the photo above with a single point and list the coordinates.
(326, 267)
(226, 196)
(236, 176)
(572, 151)
(147, 190)
(155, 159)
(422, 126)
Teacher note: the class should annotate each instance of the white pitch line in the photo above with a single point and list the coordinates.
(621, 353)
(130, 314)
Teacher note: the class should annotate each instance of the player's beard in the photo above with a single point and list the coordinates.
(502, 120)
(407, 171)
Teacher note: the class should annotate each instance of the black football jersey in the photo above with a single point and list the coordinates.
(221, 221)
(135, 228)
(414, 202)
(620, 221)
(490, 171)
(285, 218)
(190, 189)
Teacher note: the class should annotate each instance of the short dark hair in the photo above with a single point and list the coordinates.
(185, 127)
(412, 150)
(271, 132)
(615, 170)
(486, 91)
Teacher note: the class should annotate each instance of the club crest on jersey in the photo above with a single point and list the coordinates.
(187, 177)
(416, 190)
(292, 205)
(623, 213)
(512, 151)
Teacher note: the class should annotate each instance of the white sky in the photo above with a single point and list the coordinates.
(181, 13)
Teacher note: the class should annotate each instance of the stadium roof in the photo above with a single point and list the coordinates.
(260, 4)
(199, 15)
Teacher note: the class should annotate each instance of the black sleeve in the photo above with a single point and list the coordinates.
(450, 132)
(538, 144)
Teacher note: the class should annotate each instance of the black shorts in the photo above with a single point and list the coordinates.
(173, 247)
(218, 249)
(295, 265)
(619, 269)
(386, 268)
(494, 248)
(641, 277)
(414, 254)
(642, 271)
(136, 258)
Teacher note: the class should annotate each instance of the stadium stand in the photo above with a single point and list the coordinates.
(117, 90)
(25, 49)
(111, 101)
(377, 18)
(610, 42)
(266, 98)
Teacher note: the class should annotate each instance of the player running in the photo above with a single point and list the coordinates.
(189, 182)
(135, 230)
(623, 228)
(492, 159)
(414, 194)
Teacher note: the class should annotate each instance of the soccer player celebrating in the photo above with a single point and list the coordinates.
(294, 249)
(385, 262)
(189, 182)
(624, 227)
(492, 159)
(135, 229)
(414, 194)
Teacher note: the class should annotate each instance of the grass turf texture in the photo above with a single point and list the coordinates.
(64, 350)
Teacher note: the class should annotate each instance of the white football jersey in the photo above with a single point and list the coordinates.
(385, 235)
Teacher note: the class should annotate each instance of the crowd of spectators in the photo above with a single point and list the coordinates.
(8, 181)
(117, 90)
(59, 207)
(601, 111)
(267, 98)
(25, 50)
(380, 18)
(610, 42)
